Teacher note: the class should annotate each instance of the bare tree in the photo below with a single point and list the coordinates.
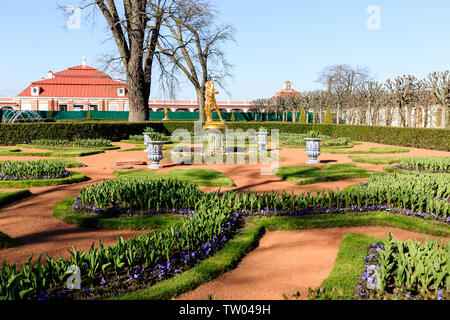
(403, 93)
(341, 82)
(192, 43)
(135, 30)
(439, 83)
(372, 93)
(263, 106)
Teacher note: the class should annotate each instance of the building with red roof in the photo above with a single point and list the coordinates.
(75, 89)
(287, 90)
(83, 88)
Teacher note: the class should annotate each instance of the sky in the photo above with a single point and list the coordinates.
(276, 41)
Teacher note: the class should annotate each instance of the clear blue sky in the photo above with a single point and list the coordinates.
(276, 41)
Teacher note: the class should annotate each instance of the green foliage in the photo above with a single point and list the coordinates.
(13, 134)
(200, 177)
(32, 170)
(85, 143)
(431, 164)
(73, 177)
(409, 270)
(328, 117)
(296, 139)
(233, 117)
(302, 175)
(313, 135)
(376, 160)
(214, 211)
(136, 137)
(374, 150)
(126, 194)
(121, 260)
(89, 115)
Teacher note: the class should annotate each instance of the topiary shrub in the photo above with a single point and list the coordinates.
(302, 119)
(328, 117)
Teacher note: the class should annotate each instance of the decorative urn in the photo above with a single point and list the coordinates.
(313, 149)
(154, 149)
(262, 140)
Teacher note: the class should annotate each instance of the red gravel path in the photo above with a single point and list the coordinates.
(30, 223)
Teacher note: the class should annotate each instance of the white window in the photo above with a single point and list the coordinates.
(93, 107)
(77, 107)
(121, 92)
(43, 106)
(62, 107)
(113, 107)
(126, 107)
(26, 106)
(35, 91)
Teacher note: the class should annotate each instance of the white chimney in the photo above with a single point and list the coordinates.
(50, 74)
(83, 61)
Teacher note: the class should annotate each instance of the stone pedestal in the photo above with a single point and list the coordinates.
(214, 132)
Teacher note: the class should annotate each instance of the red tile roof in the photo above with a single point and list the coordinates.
(77, 82)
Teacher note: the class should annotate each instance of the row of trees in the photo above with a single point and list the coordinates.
(353, 95)
(171, 37)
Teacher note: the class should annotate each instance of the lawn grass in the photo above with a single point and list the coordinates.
(302, 175)
(136, 148)
(247, 239)
(30, 146)
(299, 146)
(200, 177)
(63, 210)
(68, 162)
(62, 154)
(376, 160)
(7, 197)
(349, 265)
(132, 142)
(374, 150)
(74, 178)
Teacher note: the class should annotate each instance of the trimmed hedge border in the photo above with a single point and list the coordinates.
(248, 238)
(74, 178)
(12, 134)
(7, 197)
(63, 211)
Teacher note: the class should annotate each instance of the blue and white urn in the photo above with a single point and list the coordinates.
(262, 140)
(155, 151)
(313, 149)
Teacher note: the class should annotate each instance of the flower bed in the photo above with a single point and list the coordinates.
(85, 143)
(127, 265)
(296, 139)
(32, 170)
(428, 164)
(211, 219)
(410, 270)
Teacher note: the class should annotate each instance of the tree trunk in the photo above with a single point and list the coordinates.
(201, 104)
(444, 116)
(138, 94)
(338, 113)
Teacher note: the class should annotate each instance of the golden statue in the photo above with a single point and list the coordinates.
(166, 113)
(210, 103)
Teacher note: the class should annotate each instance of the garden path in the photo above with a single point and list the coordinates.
(31, 223)
(286, 262)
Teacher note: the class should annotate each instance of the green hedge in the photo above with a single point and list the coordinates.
(12, 134)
